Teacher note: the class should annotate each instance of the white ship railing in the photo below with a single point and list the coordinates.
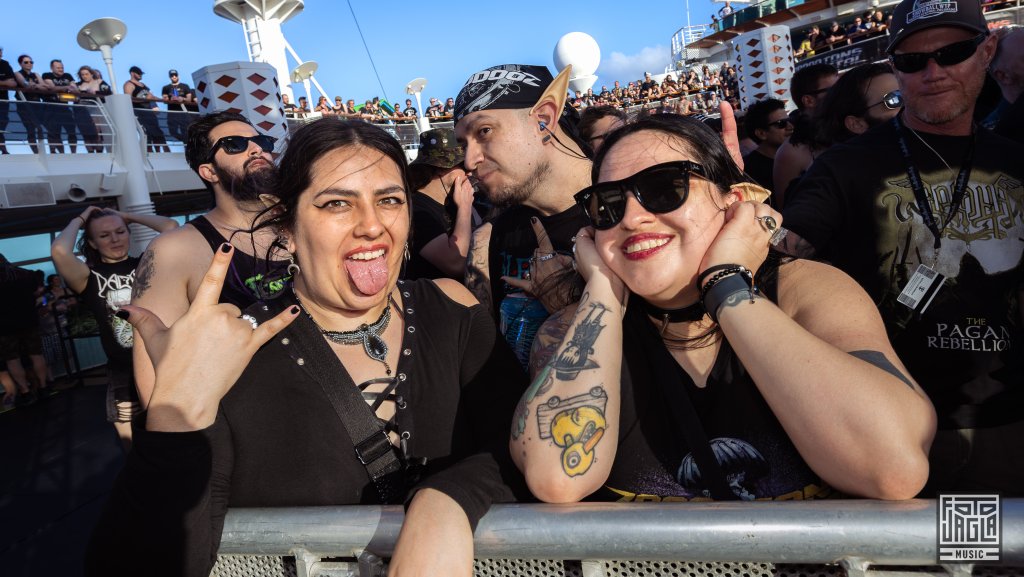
(858, 538)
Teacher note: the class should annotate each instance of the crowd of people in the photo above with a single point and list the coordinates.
(554, 304)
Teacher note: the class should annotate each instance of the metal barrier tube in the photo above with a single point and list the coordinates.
(879, 532)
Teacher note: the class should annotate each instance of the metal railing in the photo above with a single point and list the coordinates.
(855, 538)
(55, 128)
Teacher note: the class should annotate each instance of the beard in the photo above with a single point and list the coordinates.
(518, 193)
(249, 185)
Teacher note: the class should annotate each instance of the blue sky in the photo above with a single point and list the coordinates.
(442, 41)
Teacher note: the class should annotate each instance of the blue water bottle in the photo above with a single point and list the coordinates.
(521, 316)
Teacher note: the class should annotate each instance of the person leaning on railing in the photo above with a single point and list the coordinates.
(90, 91)
(263, 409)
(731, 374)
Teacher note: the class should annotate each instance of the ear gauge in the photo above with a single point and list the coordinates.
(543, 125)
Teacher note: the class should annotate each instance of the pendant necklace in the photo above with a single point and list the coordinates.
(368, 335)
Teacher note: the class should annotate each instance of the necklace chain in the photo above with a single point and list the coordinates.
(935, 152)
(368, 335)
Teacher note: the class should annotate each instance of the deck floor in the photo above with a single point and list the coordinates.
(60, 459)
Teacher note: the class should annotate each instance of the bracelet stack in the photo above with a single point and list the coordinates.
(728, 281)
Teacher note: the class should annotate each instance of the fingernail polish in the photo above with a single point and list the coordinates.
(122, 314)
(534, 220)
(226, 247)
(294, 310)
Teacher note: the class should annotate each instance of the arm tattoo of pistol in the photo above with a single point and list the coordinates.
(577, 425)
(143, 274)
(878, 359)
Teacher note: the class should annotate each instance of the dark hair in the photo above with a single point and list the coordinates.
(197, 142)
(22, 57)
(592, 114)
(805, 81)
(310, 143)
(847, 96)
(92, 256)
(757, 116)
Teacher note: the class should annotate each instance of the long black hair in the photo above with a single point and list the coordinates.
(310, 143)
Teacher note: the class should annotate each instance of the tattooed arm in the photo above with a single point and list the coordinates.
(565, 429)
(478, 276)
(165, 282)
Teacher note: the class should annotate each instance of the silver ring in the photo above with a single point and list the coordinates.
(768, 222)
(526, 275)
(252, 320)
(544, 257)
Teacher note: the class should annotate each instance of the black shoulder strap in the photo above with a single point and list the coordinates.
(689, 426)
(372, 446)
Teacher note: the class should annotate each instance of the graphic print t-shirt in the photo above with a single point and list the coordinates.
(856, 207)
(110, 287)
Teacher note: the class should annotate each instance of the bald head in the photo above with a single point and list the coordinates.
(1007, 67)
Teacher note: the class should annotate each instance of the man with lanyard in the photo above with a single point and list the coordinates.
(927, 213)
(178, 96)
(235, 163)
(523, 157)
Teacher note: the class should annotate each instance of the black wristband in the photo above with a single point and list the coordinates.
(712, 269)
(725, 288)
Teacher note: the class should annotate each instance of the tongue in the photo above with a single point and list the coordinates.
(369, 276)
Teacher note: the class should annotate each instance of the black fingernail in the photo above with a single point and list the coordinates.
(294, 310)
(226, 247)
(122, 314)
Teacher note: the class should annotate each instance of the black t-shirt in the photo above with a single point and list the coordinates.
(18, 295)
(856, 207)
(27, 95)
(182, 90)
(6, 73)
(654, 462)
(110, 286)
(434, 110)
(428, 222)
(64, 79)
(410, 111)
(513, 241)
(140, 90)
(760, 167)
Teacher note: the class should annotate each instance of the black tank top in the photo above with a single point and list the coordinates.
(250, 279)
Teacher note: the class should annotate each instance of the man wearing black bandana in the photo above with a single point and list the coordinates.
(228, 154)
(933, 231)
(507, 117)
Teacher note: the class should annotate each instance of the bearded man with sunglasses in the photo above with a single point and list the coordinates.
(234, 162)
(926, 212)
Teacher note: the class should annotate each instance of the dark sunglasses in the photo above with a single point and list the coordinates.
(659, 189)
(239, 144)
(780, 123)
(891, 100)
(955, 53)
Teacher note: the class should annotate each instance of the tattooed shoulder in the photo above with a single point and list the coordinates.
(144, 274)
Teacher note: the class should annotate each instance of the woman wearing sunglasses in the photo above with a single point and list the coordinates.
(697, 366)
(351, 388)
(861, 99)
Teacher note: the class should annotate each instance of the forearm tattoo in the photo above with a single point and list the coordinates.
(878, 359)
(476, 274)
(575, 357)
(143, 274)
(577, 425)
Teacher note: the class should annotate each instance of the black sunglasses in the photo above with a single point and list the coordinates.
(780, 123)
(659, 189)
(891, 100)
(955, 53)
(239, 144)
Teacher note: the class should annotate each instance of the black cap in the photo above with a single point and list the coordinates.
(172, 72)
(507, 86)
(136, 70)
(912, 16)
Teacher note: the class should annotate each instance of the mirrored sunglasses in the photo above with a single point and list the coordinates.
(891, 100)
(659, 189)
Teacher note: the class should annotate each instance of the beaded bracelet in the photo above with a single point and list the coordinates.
(731, 270)
(711, 269)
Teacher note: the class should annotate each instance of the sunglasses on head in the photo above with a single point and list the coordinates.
(659, 189)
(955, 53)
(891, 100)
(239, 144)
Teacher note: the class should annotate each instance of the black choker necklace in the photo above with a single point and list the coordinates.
(691, 313)
(368, 335)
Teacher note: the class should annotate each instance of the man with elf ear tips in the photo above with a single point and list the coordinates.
(731, 374)
(351, 387)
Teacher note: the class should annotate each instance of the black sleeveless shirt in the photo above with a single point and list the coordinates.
(250, 278)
